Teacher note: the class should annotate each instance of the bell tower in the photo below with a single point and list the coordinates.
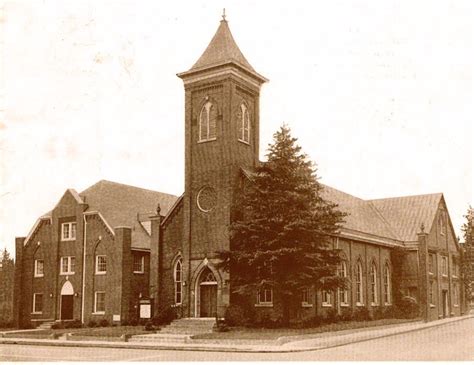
(222, 92)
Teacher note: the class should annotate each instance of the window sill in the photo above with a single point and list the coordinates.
(344, 304)
(306, 305)
(387, 304)
(39, 276)
(432, 306)
(244, 142)
(455, 305)
(36, 313)
(207, 140)
(374, 304)
(67, 273)
(101, 273)
(326, 305)
(444, 275)
(67, 239)
(360, 305)
(264, 305)
(139, 272)
(431, 273)
(455, 277)
(98, 313)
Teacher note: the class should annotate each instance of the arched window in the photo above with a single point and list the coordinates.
(343, 292)
(373, 284)
(244, 132)
(387, 295)
(178, 281)
(359, 284)
(207, 122)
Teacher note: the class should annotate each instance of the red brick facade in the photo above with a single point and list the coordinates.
(116, 225)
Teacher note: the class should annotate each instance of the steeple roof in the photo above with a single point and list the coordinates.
(222, 49)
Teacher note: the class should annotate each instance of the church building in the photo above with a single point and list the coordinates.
(98, 253)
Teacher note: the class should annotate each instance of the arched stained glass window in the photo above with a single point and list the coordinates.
(373, 284)
(359, 284)
(244, 132)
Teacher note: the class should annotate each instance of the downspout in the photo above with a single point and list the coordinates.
(83, 269)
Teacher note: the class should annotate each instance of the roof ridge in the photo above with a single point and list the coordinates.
(127, 185)
(343, 192)
(403, 196)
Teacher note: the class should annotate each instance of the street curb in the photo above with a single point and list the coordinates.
(204, 348)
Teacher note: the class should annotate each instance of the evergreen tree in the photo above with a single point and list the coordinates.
(281, 234)
(467, 268)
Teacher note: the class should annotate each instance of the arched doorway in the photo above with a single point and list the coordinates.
(67, 301)
(207, 294)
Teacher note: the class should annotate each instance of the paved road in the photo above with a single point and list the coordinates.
(453, 341)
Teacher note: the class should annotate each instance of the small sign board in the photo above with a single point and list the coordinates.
(145, 308)
(116, 318)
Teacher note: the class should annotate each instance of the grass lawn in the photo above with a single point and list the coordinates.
(96, 332)
(243, 333)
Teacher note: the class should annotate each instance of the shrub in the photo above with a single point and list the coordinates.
(133, 322)
(5, 324)
(331, 316)
(346, 315)
(379, 313)
(73, 324)
(361, 314)
(149, 326)
(164, 317)
(125, 323)
(390, 312)
(57, 326)
(236, 315)
(27, 326)
(92, 324)
(103, 323)
(408, 308)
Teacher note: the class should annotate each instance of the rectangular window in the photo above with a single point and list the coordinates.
(100, 264)
(138, 263)
(455, 295)
(39, 268)
(68, 265)
(38, 303)
(68, 231)
(265, 296)
(444, 266)
(431, 294)
(99, 302)
(306, 299)
(431, 263)
(327, 299)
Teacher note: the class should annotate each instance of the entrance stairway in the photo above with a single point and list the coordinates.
(45, 325)
(178, 331)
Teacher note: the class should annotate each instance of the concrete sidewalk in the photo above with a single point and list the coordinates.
(283, 344)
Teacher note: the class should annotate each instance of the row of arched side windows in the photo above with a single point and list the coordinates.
(359, 286)
(208, 123)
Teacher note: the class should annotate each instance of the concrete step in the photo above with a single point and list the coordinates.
(45, 325)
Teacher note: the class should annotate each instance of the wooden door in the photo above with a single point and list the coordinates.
(67, 305)
(208, 303)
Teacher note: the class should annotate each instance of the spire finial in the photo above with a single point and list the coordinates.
(223, 14)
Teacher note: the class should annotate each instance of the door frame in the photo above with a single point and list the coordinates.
(197, 290)
(66, 289)
(207, 284)
(61, 307)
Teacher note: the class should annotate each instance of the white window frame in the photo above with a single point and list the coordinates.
(359, 284)
(343, 293)
(69, 260)
(326, 298)
(387, 285)
(431, 263)
(374, 297)
(244, 135)
(71, 233)
(306, 298)
(97, 272)
(178, 282)
(207, 106)
(267, 291)
(455, 295)
(34, 311)
(95, 302)
(37, 274)
(431, 295)
(142, 263)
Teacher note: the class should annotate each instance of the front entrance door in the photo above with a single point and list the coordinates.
(445, 303)
(67, 305)
(208, 300)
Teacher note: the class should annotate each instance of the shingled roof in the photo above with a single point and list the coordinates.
(406, 214)
(125, 205)
(222, 49)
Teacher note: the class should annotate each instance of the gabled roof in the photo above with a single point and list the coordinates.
(222, 49)
(407, 213)
(362, 216)
(125, 205)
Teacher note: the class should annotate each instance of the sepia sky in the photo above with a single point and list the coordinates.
(380, 94)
